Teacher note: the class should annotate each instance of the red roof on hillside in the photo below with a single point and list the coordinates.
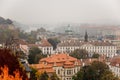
(44, 43)
(58, 60)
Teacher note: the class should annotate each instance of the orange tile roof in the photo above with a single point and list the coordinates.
(32, 45)
(69, 66)
(49, 70)
(115, 60)
(62, 59)
(68, 63)
(44, 43)
(58, 58)
(23, 42)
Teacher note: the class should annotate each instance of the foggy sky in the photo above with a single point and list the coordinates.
(58, 11)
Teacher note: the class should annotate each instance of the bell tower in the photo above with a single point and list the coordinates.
(86, 37)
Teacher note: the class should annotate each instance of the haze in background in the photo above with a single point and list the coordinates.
(61, 11)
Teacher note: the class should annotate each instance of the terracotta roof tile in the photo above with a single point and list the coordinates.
(115, 60)
(44, 42)
(23, 42)
(62, 59)
(79, 43)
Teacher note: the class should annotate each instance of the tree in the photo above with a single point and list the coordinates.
(79, 53)
(53, 42)
(54, 77)
(6, 76)
(95, 55)
(7, 58)
(35, 54)
(96, 71)
(33, 74)
(8, 21)
(21, 55)
(44, 76)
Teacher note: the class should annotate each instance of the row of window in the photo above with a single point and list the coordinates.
(116, 70)
(98, 51)
(69, 72)
(101, 47)
(48, 48)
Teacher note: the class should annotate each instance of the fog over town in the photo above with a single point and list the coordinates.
(59, 39)
(59, 13)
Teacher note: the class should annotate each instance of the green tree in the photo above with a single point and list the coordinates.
(96, 71)
(44, 76)
(54, 77)
(79, 54)
(95, 55)
(35, 54)
(33, 74)
(8, 21)
(53, 42)
(21, 55)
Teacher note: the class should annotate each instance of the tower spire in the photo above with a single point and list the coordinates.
(86, 36)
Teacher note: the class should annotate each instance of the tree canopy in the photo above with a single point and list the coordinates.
(95, 55)
(35, 54)
(44, 76)
(7, 58)
(96, 71)
(33, 74)
(54, 77)
(79, 54)
(53, 42)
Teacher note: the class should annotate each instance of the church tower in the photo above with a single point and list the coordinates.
(86, 37)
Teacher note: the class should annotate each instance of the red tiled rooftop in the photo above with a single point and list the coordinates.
(44, 42)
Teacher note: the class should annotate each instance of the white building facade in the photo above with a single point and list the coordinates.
(45, 46)
(62, 64)
(114, 65)
(102, 48)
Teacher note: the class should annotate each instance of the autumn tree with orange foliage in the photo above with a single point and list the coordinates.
(10, 60)
(6, 76)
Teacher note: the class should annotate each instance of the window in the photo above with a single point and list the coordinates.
(74, 71)
(69, 72)
(58, 71)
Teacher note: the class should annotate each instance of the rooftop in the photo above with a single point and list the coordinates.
(80, 43)
(56, 60)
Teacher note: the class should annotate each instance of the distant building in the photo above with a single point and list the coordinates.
(114, 65)
(86, 37)
(43, 45)
(62, 64)
(23, 46)
(100, 47)
(117, 43)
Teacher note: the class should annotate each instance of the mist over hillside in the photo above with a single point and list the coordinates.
(76, 28)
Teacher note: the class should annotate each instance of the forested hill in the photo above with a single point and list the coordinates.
(7, 30)
(5, 21)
